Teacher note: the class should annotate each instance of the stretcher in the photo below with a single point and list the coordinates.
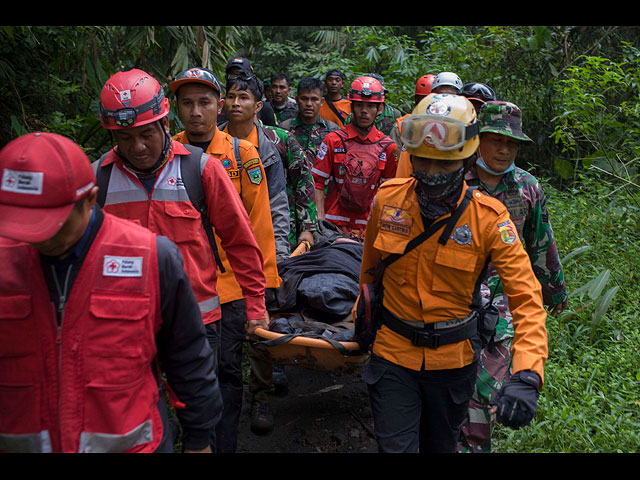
(312, 352)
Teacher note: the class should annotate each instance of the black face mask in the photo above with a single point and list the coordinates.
(438, 194)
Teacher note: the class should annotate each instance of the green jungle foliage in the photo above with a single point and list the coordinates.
(578, 87)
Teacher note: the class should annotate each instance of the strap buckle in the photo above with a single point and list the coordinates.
(423, 338)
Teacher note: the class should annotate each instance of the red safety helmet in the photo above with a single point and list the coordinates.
(366, 89)
(423, 86)
(131, 99)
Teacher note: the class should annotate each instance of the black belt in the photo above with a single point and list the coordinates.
(429, 336)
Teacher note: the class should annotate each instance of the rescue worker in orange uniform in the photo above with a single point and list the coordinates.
(197, 92)
(420, 387)
(335, 107)
(145, 184)
(352, 162)
(93, 310)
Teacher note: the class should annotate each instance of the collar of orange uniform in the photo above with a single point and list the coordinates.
(216, 145)
(251, 138)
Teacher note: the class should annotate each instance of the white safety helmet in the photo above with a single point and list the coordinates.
(447, 78)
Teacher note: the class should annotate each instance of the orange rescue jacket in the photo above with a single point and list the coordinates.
(435, 283)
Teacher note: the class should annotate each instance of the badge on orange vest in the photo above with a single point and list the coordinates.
(251, 163)
(396, 220)
(255, 175)
(462, 235)
(233, 173)
(122, 266)
(507, 232)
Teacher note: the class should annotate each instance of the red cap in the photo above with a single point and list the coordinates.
(42, 176)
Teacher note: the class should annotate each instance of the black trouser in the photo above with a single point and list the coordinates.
(418, 411)
(229, 369)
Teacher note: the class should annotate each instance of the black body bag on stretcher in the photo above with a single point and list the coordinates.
(369, 310)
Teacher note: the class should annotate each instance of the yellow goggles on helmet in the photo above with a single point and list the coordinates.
(436, 131)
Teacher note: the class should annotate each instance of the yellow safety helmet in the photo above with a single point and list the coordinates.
(442, 126)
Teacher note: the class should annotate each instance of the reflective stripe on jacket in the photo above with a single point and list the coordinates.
(86, 385)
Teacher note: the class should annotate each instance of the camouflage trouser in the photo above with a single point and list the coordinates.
(493, 370)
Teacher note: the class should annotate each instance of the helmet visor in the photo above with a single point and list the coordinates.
(437, 131)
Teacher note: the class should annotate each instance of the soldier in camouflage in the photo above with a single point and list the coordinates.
(308, 126)
(300, 185)
(284, 106)
(496, 174)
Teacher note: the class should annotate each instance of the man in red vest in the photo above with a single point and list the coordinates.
(94, 310)
(352, 162)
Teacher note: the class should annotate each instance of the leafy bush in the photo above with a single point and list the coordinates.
(589, 402)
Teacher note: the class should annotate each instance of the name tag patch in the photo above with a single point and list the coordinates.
(396, 220)
(122, 266)
(22, 182)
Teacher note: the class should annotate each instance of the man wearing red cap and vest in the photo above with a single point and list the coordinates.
(146, 184)
(352, 162)
(93, 311)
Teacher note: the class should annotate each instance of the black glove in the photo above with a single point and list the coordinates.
(517, 400)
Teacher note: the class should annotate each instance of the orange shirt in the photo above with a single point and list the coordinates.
(343, 106)
(436, 282)
(255, 198)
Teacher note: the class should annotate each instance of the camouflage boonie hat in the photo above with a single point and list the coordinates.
(504, 118)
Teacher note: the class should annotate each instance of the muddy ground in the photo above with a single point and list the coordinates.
(322, 412)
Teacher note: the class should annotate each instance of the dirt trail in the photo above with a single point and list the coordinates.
(322, 412)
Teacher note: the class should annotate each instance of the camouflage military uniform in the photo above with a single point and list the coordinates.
(309, 136)
(290, 110)
(300, 186)
(521, 193)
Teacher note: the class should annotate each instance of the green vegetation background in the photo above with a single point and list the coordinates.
(578, 87)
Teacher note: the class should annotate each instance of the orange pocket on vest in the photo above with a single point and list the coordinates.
(453, 271)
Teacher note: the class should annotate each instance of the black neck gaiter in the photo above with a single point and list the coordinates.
(438, 194)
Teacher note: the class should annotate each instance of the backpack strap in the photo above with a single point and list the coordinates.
(192, 180)
(103, 174)
(236, 152)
